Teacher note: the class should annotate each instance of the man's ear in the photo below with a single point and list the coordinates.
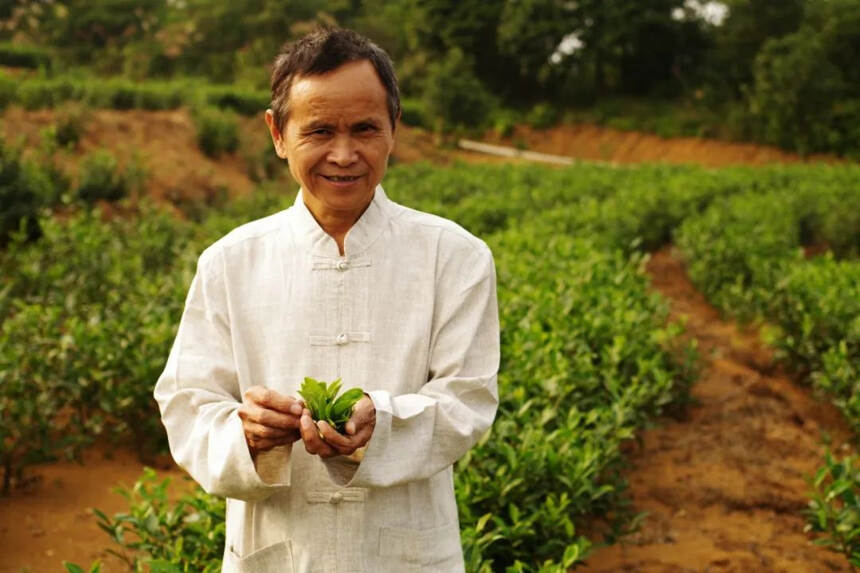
(277, 136)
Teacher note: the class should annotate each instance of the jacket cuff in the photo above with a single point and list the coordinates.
(273, 466)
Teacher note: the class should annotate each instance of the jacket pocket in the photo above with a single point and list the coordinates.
(277, 558)
(438, 547)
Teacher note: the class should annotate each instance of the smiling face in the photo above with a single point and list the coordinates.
(337, 139)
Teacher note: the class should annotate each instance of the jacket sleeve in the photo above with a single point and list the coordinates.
(199, 397)
(418, 435)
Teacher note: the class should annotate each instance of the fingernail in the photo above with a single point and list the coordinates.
(296, 409)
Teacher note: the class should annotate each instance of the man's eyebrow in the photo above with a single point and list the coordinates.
(314, 125)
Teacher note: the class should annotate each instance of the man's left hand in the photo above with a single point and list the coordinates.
(323, 440)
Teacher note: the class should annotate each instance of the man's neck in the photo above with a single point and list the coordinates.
(336, 224)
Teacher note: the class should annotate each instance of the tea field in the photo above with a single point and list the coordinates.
(588, 358)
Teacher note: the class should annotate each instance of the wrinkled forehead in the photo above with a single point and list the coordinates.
(354, 86)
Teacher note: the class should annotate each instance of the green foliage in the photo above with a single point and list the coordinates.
(739, 247)
(109, 336)
(264, 163)
(42, 93)
(217, 131)
(542, 116)
(834, 509)
(24, 191)
(817, 305)
(99, 178)
(34, 421)
(21, 56)
(573, 385)
(69, 125)
(454, 95)
(186, 536)
(8, 90)
(414, 113)
(504, 122)
(325, 405)
(799, 99)
(804, 93)
(244, 101)
(96, 567)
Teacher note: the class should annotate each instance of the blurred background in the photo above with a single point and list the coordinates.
(780, 72)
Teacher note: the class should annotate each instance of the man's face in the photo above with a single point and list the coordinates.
(337, 138)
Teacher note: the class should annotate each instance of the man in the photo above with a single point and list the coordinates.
(344, 284)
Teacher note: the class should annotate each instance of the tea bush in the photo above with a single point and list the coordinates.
(20, 56)
(124, 94)
(834, 509)
(172, 537)
(34, 392)
(8, 89)
(24, 190)
(217, 131)
(99, 178)
(69, 125)
(243, 101)
(573, 386)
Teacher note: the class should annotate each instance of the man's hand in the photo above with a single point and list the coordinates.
(323, 440)
(269, 419)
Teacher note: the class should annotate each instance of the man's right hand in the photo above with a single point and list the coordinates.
(269, 419)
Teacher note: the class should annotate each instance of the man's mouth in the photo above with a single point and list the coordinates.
(341, 178)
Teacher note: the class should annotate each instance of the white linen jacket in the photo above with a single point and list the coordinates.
(409, 314)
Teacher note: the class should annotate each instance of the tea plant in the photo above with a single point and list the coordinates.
(834, 509)
(217, 131)
(185, 536)
(99, 178)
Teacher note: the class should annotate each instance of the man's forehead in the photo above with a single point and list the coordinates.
(351, 91)
(357, 76)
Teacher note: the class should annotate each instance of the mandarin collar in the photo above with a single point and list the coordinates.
(308, 234)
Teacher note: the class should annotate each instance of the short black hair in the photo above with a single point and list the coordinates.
(323, 50)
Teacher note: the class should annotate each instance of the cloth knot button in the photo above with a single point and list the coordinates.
(342, 265)
(336, 498)
(342, 339)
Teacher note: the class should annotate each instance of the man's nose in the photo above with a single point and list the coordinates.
(343, 150)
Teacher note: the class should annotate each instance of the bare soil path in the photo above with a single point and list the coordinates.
(725, 487)
(52, 521)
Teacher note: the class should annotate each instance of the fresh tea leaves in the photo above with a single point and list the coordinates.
(320, 400)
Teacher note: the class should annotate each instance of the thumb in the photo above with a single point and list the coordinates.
(350, 428)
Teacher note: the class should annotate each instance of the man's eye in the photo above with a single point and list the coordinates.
(365, 128)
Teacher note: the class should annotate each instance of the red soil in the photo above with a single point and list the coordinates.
(52, 520)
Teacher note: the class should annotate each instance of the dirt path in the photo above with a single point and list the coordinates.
(725, 487)
(52, 522)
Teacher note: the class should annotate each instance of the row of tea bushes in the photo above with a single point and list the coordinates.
(587, 361)
(750, 255)
(97, 304)
(120, 93)
(747, 254)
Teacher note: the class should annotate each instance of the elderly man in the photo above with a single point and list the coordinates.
(344, 284)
